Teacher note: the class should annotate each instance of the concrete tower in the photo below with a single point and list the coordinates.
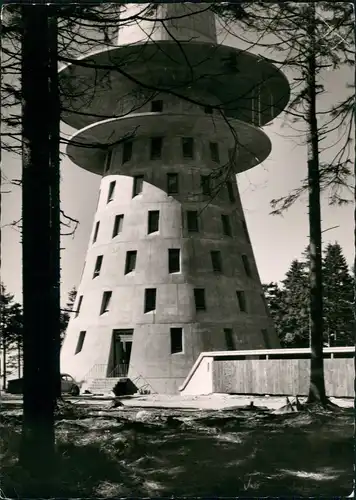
(169, 270)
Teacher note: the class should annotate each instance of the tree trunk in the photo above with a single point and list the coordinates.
(37, 444)
(4, 353)
(19, 359)
(317, 384)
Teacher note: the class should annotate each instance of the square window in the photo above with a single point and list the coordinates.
(156, 148)
(111, 191)
(199, 298)
(137, 185)
(153, 221)
(246, 265)
(173, 260)
(156, 106)
(150, 299)
(80, 342)
(214, 151)
(188, 147)
(216, 261)
(192, 221)
(118, 222)
(229, 339)
(208, 110)
(226, 225)
(80, 300)
(205, 184)
(108, 159)
(266, 338)
(130, 263)
(98, 264)
(241, 299)
(126, 151)
(172, 183)
(230, 191)
(176, 340)
(105, 302)
(96, 231)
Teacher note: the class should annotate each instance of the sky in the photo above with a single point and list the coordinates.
(276, 240)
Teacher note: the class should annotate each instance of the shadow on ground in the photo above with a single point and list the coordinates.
(206, 453)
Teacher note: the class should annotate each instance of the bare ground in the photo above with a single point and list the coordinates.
(186, 452)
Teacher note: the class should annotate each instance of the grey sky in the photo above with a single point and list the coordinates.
(276, 240)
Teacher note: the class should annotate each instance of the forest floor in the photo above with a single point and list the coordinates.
(131, 451)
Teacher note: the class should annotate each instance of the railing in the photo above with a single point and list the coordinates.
(120, 370)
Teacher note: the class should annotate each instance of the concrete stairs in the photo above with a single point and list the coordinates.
(100, 386)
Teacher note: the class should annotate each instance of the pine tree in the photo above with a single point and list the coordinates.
(65, 314)
(338, 297)
(275, 298)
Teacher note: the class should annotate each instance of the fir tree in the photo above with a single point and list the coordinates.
(65, 314)
(275, 298)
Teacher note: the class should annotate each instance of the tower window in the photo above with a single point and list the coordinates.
(241, 299)
(118, 222)
(188, 147)
(137, 185)
(192, 221)
(244, 228)
(230, 191)
(96, 231)
(226, 225)
(205, 184)
(176, 340)
(199, 298)
(229, 339)
(80, 342)
(79, 305)
(130, 263)
(98, 264)
(266, 338)
(153, 221)
(246, 265)
(105, 302)
(111, 191)
(172, 183)
(126, 151)
(108, 159)
(156, 106)
(173, 260)
(214, 151)
(156, 148)
(216, 261)
(150, 299)
(208, 110)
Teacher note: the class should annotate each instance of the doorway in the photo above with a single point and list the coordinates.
(121, 352)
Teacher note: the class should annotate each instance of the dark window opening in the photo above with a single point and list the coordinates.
(266, 338)
(98, 264)
(230, 191)
(108, 159)
(118, 222)
(246, 265)
(226, 225)
(126, 151)
(130, 263)
(173, 260)
(188, 147)
(156, 148)
(153, 221)
(244, 228)
(205, 184)
(176, 340)
(199, 298)
(111, 191)
(192, 221)
(137, 185)
(229, 339)
(208, 110)
(172, 183)
(80, 342)
(105, 302)
(96, 231)
(214, 151)
(156, 106)
(241, 299)
(79, 305)
(216, 261)
(150, 299)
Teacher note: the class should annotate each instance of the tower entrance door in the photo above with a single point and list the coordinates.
(121, 353)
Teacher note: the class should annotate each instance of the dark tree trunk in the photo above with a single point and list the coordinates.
(37, 444)
(317, 384)
(4, 361)
(19, 358)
